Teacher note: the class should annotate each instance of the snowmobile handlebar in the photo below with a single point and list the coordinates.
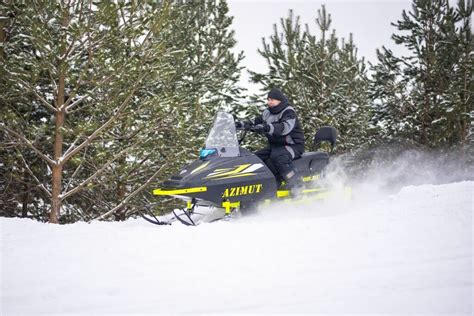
(248, 127)
(243, 126)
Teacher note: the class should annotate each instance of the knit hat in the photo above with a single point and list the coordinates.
(276, 94)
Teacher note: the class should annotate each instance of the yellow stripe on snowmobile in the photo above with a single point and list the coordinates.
(286, 193)
(204, 165)
(313, 190)
(179, 191)
(237, 176)
(314, 194)
(230, 173)
(283, 193)
(311, 178)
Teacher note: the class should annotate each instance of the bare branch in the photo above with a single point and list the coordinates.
(73, 104)
(43, 101)
(74, 173)
(132, 195)
(98, 172)
(104, 126)
(73, 144)
(48, 193)
(70, 106)
(29, 144)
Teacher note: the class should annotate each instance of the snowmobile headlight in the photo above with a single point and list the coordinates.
(207, 152)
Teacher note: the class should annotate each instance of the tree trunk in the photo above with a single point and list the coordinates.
(121, 191)
(55, 194)
(3, 37)
(121, 188)
(428, 84)
(57, 175)
(25, 197)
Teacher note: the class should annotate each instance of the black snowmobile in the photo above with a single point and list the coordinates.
(228, 179)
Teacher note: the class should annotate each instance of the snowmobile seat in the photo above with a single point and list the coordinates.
(316, 161)
(311, 162)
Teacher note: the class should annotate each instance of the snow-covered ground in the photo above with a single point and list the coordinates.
(404, 252)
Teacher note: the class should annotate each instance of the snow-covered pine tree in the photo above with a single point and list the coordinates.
(392, 104)
(23, 173)
(121, 92)
(323, 78)
(69, 58)
(203, 78)
(427, 95)
(207, 73)
(461, 87)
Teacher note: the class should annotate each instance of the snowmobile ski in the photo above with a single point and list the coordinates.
(185, 222)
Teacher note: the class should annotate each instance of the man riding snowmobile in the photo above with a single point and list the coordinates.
(280, 124)
(228, 179)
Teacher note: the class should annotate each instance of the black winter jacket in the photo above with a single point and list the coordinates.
(285, 128)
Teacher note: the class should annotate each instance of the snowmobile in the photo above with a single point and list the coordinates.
(228, 179)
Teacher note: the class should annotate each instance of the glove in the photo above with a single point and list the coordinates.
(261, 128)
(239, 125)
(243, 125)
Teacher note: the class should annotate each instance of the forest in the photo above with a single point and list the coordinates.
(100, 101)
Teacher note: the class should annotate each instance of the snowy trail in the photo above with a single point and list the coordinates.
(406, 253)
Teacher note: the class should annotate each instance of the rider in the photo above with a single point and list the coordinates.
(280, 125)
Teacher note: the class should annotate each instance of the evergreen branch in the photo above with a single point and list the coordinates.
(43, 101)
(135, 168)
(104, 126)
(75, 172)
(98, 172)
(29, 144)
(75, 103)
(55, 85)
(48, 193)
(68, 104)
(121, 107)
(71, 47)
(115, 115)
(132, 195)
(73, 144)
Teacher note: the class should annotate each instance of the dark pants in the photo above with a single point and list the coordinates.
(279, 159)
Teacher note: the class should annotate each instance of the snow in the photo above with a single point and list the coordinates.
(399, 253)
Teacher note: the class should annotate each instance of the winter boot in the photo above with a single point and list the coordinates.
(293, 182)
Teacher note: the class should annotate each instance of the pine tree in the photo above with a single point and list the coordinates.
(393, 104)
(22, 173)
(323, 78)
(204, 79)
(422, 99)
(71, 64)
(118, 95)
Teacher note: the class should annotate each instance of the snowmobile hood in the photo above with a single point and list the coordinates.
(217, 179)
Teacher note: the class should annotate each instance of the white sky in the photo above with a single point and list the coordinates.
(369, 21)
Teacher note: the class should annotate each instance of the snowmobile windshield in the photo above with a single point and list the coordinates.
(223, 137)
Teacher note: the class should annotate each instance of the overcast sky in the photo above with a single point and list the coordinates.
(368, 21)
